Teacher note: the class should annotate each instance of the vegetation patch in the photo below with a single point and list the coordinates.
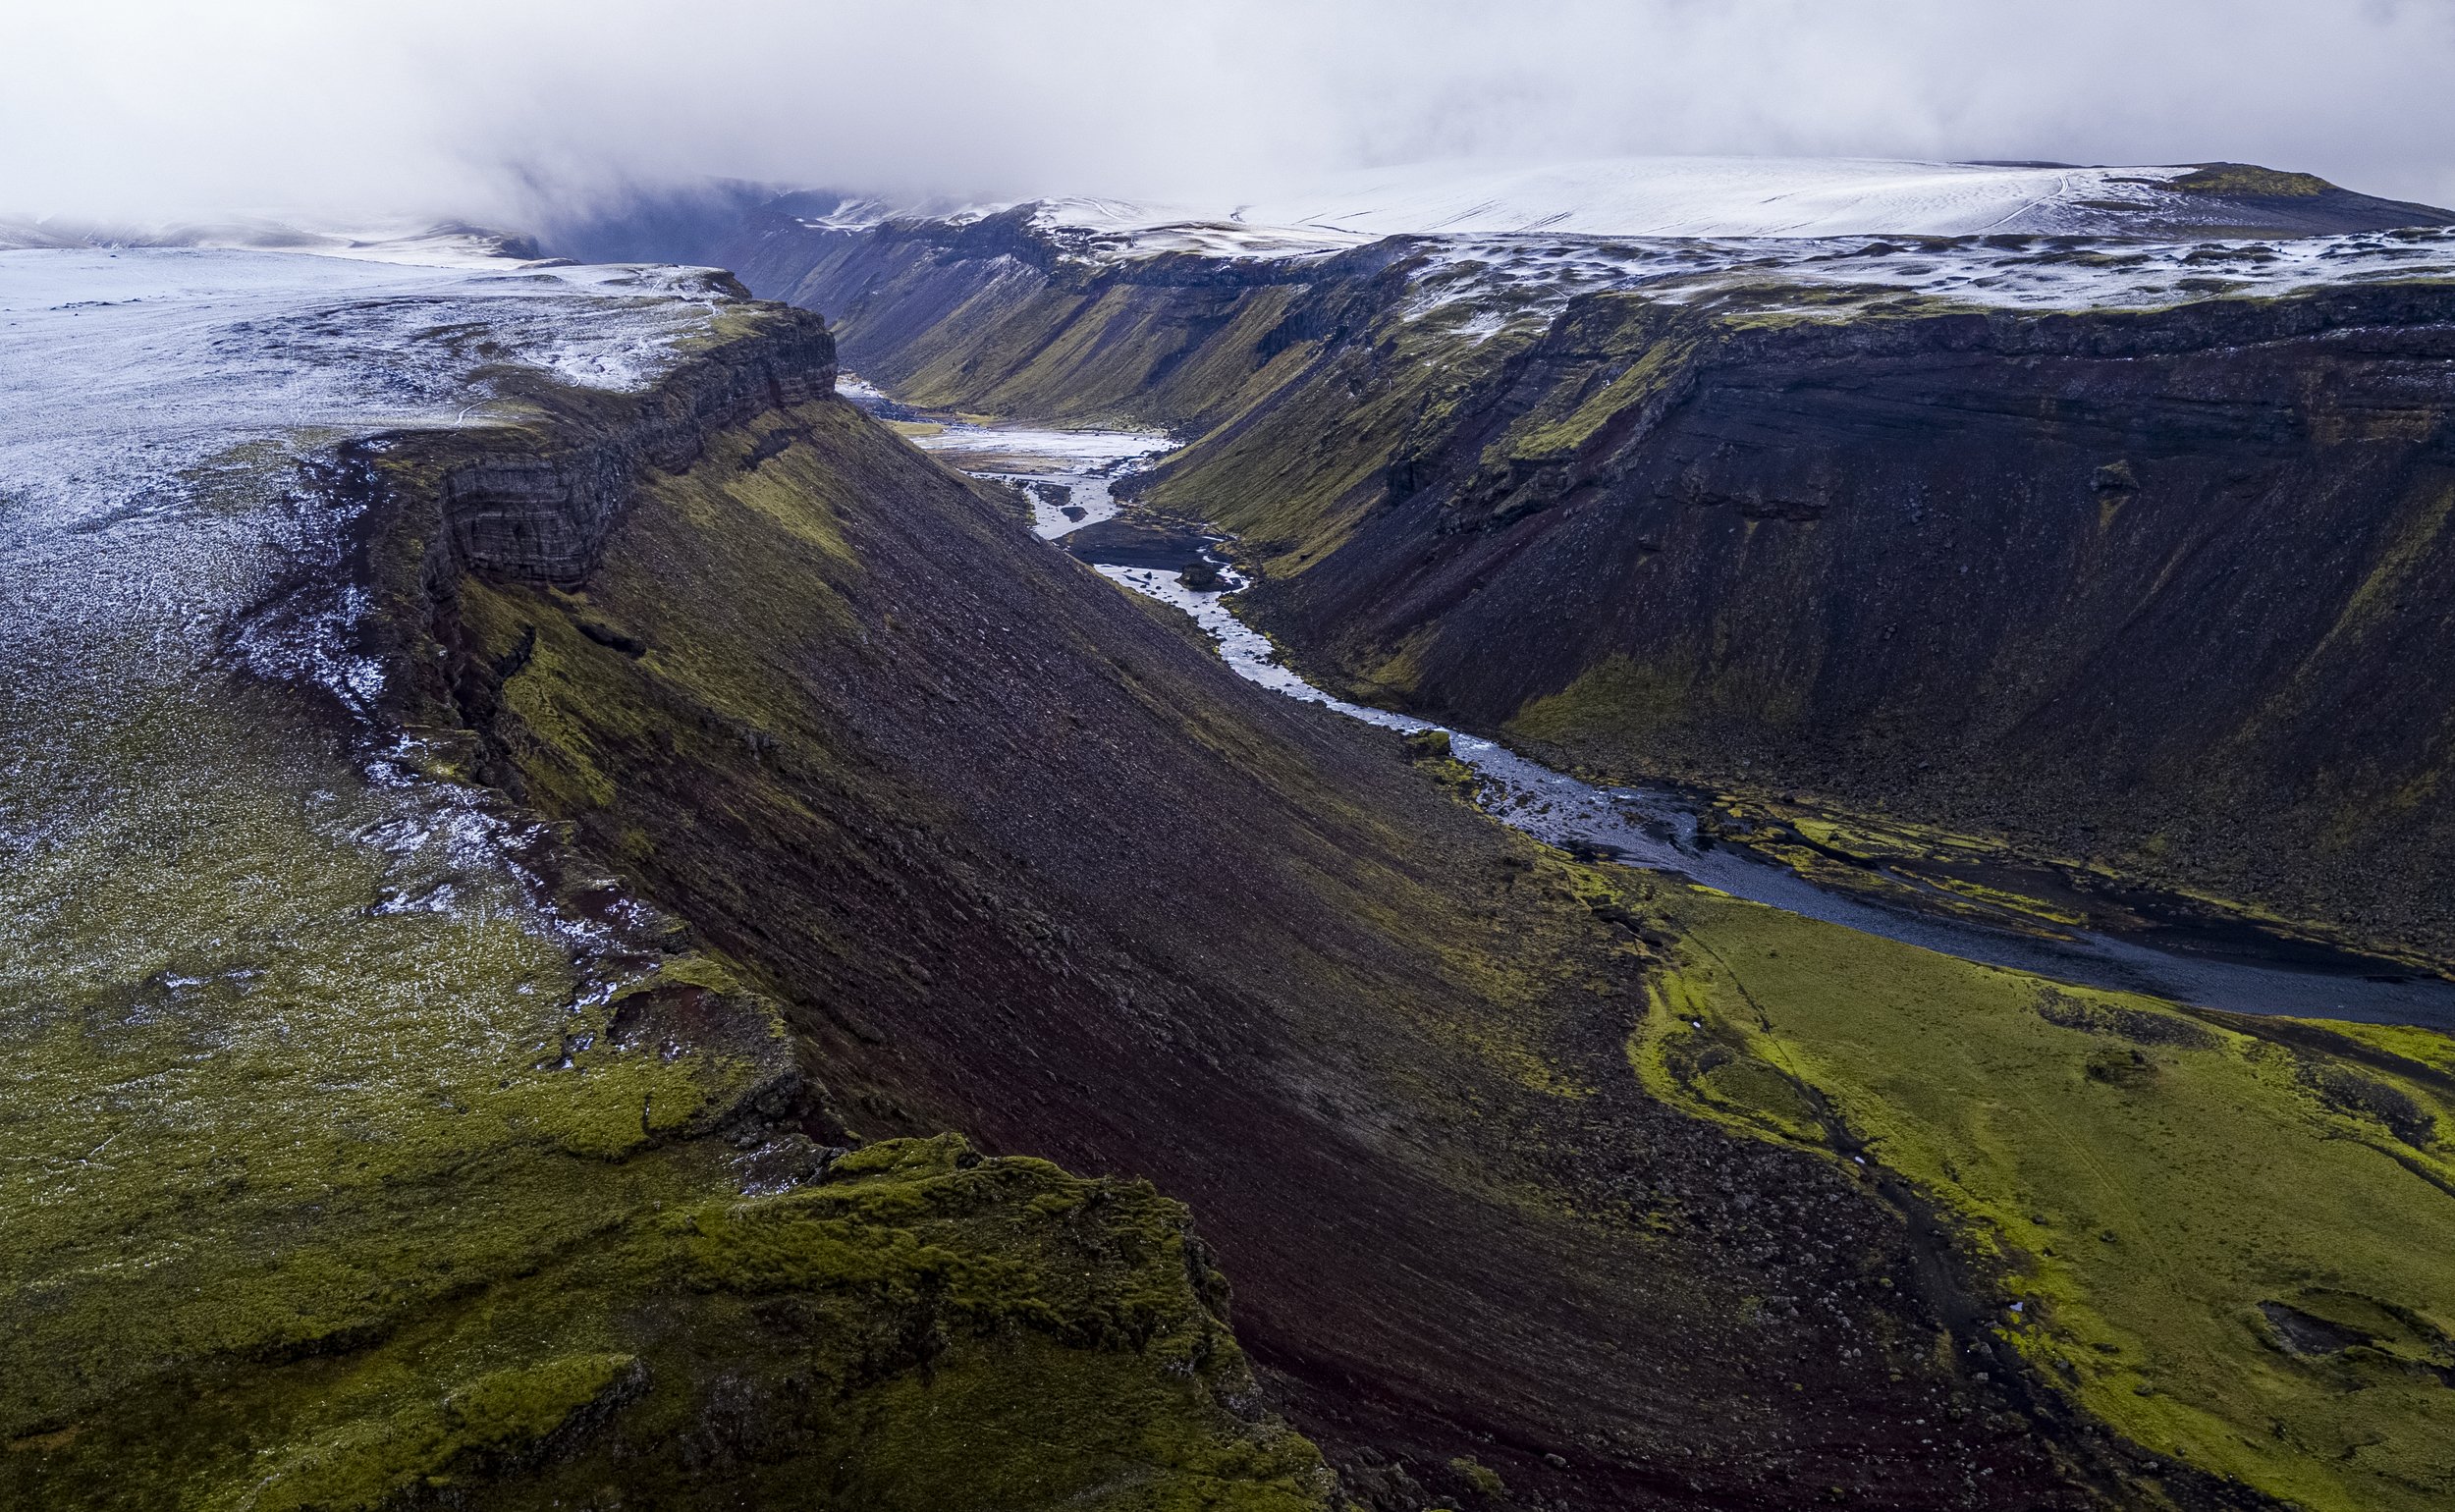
(2231, 1249)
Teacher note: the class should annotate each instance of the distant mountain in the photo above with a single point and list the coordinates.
(1627, 196)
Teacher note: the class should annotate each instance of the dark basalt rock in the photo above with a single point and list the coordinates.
(540, 510)
(2300, 1333)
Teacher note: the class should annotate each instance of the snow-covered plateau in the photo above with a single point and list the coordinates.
(189, 790)
(1803, 238)
(1667, 196)
(1683, 197)
(1840, 277)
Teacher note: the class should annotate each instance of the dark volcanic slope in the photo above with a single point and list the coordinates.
(2158, 588)
(1026, 860)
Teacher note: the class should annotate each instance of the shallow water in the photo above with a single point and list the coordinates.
(1656, 828)
(1042, 462)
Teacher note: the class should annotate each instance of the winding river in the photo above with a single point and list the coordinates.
(2236, 966)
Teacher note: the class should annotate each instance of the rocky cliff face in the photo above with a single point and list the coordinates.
(2137, 574)
(540, 502)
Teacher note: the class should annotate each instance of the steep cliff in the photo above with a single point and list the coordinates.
(366, 1145)
(2151, 590)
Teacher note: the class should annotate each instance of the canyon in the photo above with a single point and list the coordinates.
(2116, 549)
(597, 919)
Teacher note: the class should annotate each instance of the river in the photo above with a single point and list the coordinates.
(2192, 956)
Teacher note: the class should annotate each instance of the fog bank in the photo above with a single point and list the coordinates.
(148, 109)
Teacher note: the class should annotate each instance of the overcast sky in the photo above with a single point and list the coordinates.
(151, 109)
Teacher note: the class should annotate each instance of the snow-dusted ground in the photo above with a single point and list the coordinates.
(177, 615)
(1639, 196)
(1840, 277)
(1623, 197)
(1808, 235)
(414, 244)
(131, 381)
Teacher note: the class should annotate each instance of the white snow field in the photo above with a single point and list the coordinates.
(1490, 280)
(1708, 196)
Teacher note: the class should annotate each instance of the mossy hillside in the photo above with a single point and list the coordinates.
(1664, 610)
(2248, 178)
(347, 1114)
(1116, 351)
(1295, 476)
(1260, 370)
(1018, 855)
(1481, 426)
(1629, 355)
(1124, 354)
(775, 584)
(920, 1328)
(2163, 1193)
(1234, 362)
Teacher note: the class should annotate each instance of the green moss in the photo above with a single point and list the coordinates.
(2149, 1186)
(1619, 712)
(1482, 1478)
(1614, 700)
(1645, 348)
(1118, 356)
(370, 1461)
(2404, 553)
(1296, 471)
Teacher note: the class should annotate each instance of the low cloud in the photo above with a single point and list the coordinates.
(157, 109)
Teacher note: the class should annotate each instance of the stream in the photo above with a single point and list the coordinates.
(2229, 964)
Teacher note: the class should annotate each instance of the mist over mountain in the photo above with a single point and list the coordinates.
(143, 110)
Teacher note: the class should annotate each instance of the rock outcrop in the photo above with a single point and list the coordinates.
(537, 502)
